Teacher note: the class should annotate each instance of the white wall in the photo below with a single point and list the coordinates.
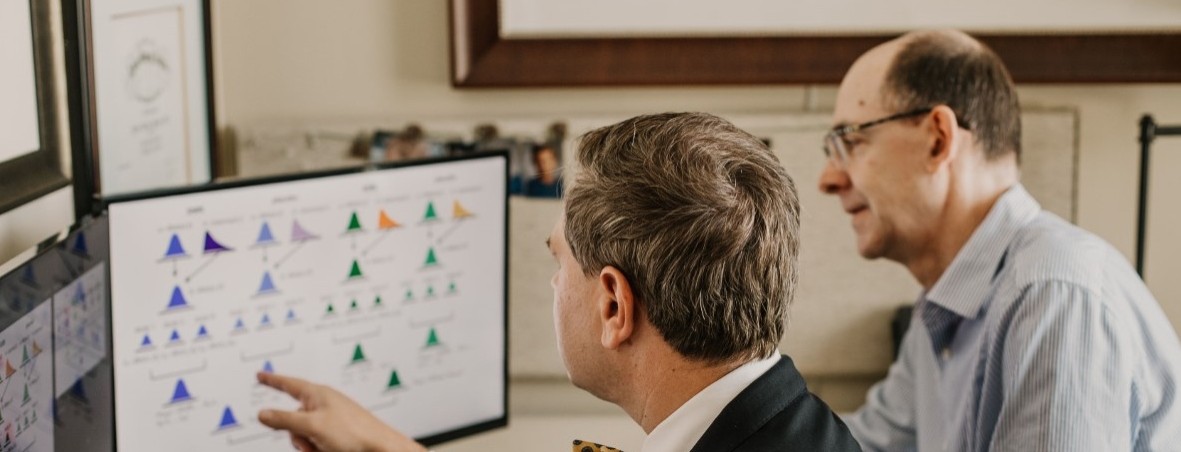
(570, 18)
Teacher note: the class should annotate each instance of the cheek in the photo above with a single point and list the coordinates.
(861, 174)
(555, 284)
(562, 304)
(879, 184)
(570, 304)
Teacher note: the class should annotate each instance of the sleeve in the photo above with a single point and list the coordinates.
(1067, 374)
(887, 420)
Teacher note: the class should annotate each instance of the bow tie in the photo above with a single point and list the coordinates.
(587, 446)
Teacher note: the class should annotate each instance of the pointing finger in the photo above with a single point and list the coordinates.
(295, 387)
(296, 422)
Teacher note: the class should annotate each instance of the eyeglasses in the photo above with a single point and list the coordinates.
(837, 149)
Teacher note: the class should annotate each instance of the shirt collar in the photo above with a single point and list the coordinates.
(682, 429)
(964, 286)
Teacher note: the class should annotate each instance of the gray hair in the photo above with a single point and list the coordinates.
(948, 67)
(703, 221)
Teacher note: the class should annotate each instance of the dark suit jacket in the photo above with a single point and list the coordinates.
(777, 413)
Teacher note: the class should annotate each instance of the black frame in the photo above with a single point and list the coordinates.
(31, 176)
(76, 22)
(215, 185)
(1149, 132)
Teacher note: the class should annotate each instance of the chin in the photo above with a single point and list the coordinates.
(869, 249)
(600, 390)
(576, 378)
(869, 254)
(581, 384)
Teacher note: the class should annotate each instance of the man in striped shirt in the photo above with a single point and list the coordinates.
(1030, 334)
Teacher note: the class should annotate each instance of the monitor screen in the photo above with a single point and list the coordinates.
(54, 366)
(81, 349)
(388, 285)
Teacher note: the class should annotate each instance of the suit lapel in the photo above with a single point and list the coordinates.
(766, 397)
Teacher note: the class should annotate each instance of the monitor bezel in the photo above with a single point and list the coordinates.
(449, 435)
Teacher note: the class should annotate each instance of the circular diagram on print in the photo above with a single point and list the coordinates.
(148, 72)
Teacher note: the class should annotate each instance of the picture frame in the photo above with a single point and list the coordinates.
(482, 58)
(30, 175)
(141, 96)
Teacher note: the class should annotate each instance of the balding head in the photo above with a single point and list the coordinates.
(951, 38)
(936, 132)
(861, 96)
(940, 67)
(951, 68)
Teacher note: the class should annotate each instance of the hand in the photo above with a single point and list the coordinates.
(329, 421)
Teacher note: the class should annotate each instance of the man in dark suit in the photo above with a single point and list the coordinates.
(677, 259)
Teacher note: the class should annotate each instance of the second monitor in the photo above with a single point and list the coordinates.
(388, 285)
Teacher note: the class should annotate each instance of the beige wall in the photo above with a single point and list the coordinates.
(314, 62)
(307, 60)
(26, 225)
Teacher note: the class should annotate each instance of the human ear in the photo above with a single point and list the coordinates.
(942, 126)
(616, 307)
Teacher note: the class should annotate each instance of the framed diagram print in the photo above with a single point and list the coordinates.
(144, 94)
(532, 43)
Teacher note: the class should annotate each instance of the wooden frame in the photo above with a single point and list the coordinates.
(31, 176)
(482, 58)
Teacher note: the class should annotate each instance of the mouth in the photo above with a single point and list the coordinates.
(855, 210)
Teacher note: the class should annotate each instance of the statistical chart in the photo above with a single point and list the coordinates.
(80, 327)
(26, 382)
(388, 285)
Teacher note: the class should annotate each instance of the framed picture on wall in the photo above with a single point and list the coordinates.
(142, 95)
(530, 43)
(30, 126)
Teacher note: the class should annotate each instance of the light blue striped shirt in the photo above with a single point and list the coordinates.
(1038, 337)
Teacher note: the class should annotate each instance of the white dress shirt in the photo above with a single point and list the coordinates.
(681, 430)
(1038, 337)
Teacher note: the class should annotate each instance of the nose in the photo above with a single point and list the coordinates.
(833, 178)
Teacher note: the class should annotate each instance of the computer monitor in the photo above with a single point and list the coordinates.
(26, 364)
(386, 284)
(54, 366)
(81, 345)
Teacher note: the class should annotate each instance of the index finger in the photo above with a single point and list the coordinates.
(295, 387)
